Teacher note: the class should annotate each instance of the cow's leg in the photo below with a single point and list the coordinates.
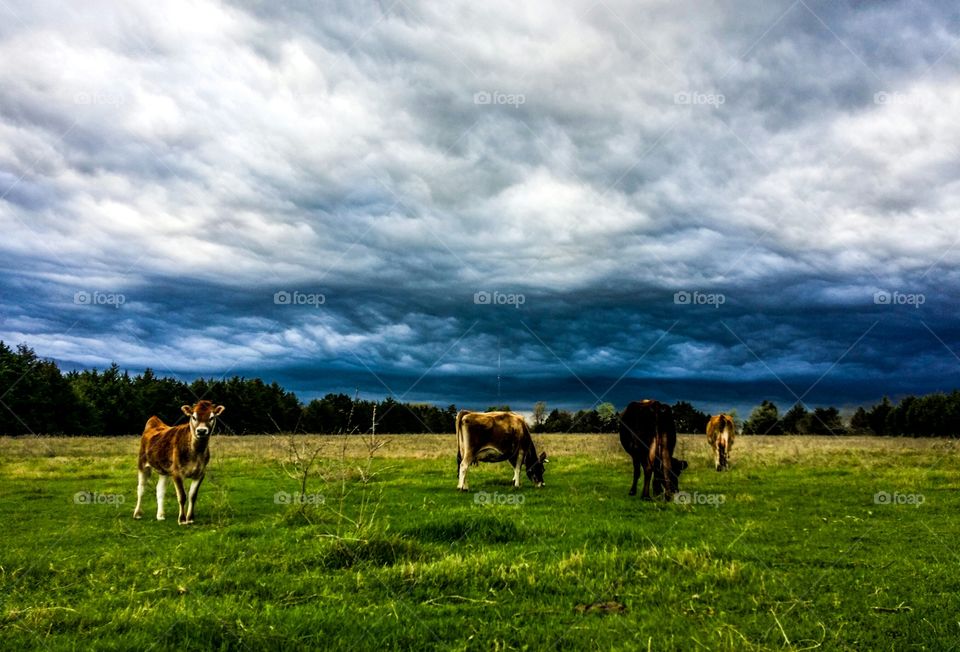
(637, 467)
(516, 471)
(464, 465)
(161, 491)
(721, 456)
(192, 498)
(647, 475)
(142, 477)
(648, 466)
(181, 499)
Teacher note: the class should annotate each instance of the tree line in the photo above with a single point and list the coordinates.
(931, 415)
(36, 397)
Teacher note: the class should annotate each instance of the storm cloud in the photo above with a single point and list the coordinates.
(481, 203)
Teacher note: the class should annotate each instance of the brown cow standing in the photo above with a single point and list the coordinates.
(649, 435)
(496, 437)
(720, 431)
(180, 452)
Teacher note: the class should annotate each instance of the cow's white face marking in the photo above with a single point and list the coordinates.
(203, 428)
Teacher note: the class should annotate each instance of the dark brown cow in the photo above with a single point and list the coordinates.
(648, 434)
(720, 431)
(496, 437)
(180, 452)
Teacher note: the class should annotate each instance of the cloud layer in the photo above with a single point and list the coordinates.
(713, 203)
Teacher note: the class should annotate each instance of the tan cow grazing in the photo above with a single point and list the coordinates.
(496, 437)
(720, 431)
(180, 452)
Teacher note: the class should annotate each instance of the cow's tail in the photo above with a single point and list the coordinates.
(663, 453)
(458, 424)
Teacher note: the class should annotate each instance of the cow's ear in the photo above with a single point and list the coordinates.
(186, 409)
(543, 458)
(219, 410)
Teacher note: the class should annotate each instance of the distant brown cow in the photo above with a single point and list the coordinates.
(496, 437)
(720, 431)
(180, 452)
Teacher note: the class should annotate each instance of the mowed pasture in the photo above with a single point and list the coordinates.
(795, 547)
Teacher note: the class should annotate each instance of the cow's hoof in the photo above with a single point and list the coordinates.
(463, 489)
(161, 518)
(136, 516)
(633, 492)
(719, 468)
(645, 498)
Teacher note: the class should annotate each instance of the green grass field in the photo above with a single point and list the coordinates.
(790, 549)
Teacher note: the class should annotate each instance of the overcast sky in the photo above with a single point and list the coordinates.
(713, 202)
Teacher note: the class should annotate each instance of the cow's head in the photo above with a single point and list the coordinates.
(676, 468)
(535, 470)
(203, 417)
